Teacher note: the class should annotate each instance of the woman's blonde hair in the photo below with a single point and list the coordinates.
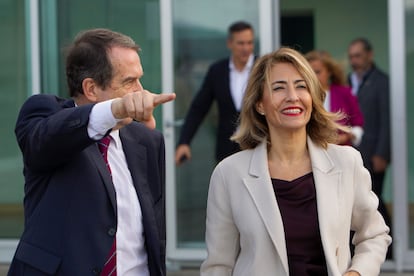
(337, 75)
(253, 129)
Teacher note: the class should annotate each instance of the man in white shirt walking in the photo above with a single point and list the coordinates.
(224, 83)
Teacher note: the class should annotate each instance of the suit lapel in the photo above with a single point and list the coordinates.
(226, 83)
(327, 183)
(261, 190)
(94, 153)
(136, 157)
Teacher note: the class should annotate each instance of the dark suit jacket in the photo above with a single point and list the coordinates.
(373, 97)
(215, 87)
(70, 203)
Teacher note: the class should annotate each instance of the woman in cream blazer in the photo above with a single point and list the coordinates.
(285, 134)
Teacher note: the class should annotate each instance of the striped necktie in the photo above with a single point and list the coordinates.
(109, 268)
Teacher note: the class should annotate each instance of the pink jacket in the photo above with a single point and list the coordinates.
(343, 100)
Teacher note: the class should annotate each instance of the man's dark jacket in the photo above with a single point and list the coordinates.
(374, 101)
(70, 203)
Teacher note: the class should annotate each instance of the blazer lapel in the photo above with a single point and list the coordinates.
(136, 156)
(94, 153)
(226, 86)
(327, 183)
(261, 190)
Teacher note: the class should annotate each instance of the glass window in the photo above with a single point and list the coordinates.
(137, 19)
(13, 87)
(199, 41)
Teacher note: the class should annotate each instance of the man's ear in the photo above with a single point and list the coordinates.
(90, 89)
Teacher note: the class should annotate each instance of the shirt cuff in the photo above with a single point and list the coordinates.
(357, 132)
(101, 120)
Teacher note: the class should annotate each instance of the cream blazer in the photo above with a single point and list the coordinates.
(245, 235)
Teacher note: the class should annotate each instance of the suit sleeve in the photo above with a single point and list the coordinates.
(199, 108)
(222, 236)
(384, 143)
(371, 237)
(48, 133)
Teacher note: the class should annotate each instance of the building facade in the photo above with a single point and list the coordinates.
(179, 40)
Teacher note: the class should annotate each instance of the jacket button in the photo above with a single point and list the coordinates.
(111, 232)
(96, 271)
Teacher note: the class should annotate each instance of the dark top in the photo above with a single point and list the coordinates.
(297, 204)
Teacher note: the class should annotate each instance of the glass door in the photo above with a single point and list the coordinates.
(198, 39)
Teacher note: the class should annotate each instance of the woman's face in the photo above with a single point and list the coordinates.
(288, 104)
(321, 72)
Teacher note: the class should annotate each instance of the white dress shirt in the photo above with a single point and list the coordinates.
(132, 259)
(355, 82)
(238, 81)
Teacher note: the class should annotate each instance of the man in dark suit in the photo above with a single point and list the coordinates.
(371, 86)
(224, 83)
(86, 211)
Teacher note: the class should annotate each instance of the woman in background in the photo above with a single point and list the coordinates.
(286, 203)
(339, 98)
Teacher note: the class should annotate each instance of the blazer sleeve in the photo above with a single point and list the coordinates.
(222, 236)
(371, 237)
(355, 114)
(49, 131)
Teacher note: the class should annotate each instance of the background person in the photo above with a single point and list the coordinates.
(224, 83)
(81, 216)
(371, 86)
(339, 98)
(285, 205)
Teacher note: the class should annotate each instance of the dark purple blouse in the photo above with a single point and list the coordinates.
(297, 204)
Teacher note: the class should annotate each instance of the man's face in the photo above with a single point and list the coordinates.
(359, 59)
(241, 45)
(127, 72)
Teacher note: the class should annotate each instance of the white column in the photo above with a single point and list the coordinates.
(34, 50)
(397, 56)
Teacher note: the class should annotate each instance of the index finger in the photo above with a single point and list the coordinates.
(163, 98)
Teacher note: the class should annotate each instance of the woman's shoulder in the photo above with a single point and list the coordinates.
(237, 158)
(342, 89)
(343, 152)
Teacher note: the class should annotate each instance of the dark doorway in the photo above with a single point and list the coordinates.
(297, 31)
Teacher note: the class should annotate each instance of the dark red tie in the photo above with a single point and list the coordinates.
(109, 268)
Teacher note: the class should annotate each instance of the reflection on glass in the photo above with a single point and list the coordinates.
(13, 85)
(200, 32)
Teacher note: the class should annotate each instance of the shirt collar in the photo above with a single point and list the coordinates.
(248, 66)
